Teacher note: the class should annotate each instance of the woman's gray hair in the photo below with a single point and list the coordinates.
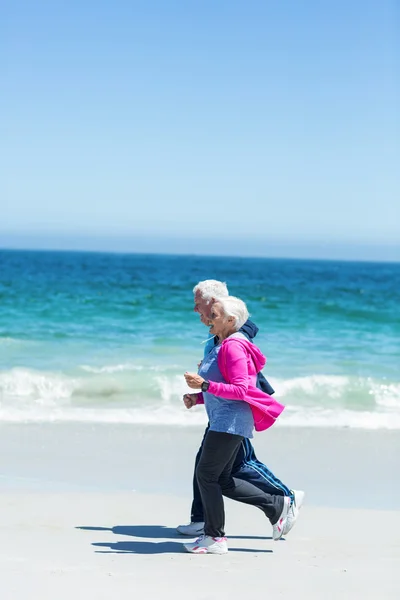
(211, 288)
(235, 307)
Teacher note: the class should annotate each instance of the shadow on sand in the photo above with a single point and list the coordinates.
(159, 531)
(155, 531)
(154, 548)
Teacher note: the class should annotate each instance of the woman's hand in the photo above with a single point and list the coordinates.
(190, 400)
(193, 380)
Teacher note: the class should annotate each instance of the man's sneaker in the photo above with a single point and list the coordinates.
(208, 545)
(299, 496)
(294, 510)
(192, 529)
(277, 529)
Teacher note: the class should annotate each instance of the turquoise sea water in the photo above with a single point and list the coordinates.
(107, 337)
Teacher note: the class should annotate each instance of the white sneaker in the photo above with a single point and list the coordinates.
(192, 529)
(277, 529)
(208, 545)
(299, 496)
(294, 510)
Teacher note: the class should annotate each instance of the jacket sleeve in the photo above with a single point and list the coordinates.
(200, 398)
(232, 361)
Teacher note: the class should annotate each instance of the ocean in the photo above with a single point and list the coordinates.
(106, 338)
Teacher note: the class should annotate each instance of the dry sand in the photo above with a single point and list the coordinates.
(63, 546)
(71, 529)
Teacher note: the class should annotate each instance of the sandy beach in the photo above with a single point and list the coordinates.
(84, 514)
(98, 545)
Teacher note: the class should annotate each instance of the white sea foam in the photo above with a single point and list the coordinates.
(21, 383)
(121, 416)
(168, 416)
(332, 385)
(154, 396)
(386, 395)
(335, 391)
(321, 417)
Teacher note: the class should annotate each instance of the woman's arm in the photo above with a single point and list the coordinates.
(190, 400)
(232, 361)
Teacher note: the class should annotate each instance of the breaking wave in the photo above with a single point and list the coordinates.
(128, 393)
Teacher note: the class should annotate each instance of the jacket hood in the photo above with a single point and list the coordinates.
(249, 329)
(255, 352)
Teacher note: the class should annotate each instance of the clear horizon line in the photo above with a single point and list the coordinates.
(196, 254)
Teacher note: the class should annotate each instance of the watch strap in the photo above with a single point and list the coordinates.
(204, 386)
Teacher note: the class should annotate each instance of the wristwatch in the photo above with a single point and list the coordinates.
(204, 386)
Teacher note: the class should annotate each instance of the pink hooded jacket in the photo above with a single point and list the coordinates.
(239, 362)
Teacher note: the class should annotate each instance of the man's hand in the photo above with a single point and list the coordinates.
(190, 400)
(193, 380)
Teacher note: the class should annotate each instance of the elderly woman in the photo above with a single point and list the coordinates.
(235, 406)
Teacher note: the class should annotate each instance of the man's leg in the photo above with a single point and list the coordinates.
(196, 513)
(248, 468)
(195, 527)
(240, 490)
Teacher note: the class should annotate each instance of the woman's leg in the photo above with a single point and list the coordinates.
(218, 455)
(214, 476)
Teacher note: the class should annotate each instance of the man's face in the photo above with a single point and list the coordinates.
(202, 307)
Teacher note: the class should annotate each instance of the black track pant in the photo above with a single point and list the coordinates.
(214, 477)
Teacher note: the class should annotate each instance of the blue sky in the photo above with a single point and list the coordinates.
(258, 127)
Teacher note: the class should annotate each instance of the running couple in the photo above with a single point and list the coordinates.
(238, 399)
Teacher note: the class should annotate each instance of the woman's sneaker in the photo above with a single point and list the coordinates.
(298, 499)
(278, 528)
(193, 529)
(208, 545)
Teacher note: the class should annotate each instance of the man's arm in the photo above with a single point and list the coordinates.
(250, 330)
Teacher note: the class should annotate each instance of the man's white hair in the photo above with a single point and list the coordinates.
(235, 307)
(211, 289)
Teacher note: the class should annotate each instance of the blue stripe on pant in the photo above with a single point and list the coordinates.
(246, 467)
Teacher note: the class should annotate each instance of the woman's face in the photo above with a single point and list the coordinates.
(220, 324)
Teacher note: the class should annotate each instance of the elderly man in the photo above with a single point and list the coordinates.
(246, 465)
